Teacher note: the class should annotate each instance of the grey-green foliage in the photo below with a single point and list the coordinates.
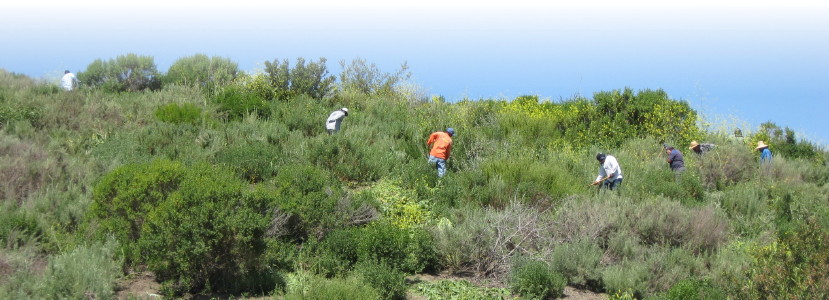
(309, 78)
(125, 73)
(87, 272)
(579, 262)
(367, 78)
(202, 70)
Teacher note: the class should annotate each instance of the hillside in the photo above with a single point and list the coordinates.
(230, 185)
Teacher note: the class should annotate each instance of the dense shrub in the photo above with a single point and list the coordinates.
(694, 289)
(311, 79)
(390, 283)
(193, 226)
(179, 113)
(202, 71)
(536, 280)
(313, 195)
(631, 276)
(579, 262)
(333, 289)
(409, 250)
(460, 289)
(253, 161)
(345, 158)
(125, 73)
(236, 103)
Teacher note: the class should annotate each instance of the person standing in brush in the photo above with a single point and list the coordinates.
(675, 159)
(334, 119)
(68, 82)
(610, 173)
(765, 153)
(441, 142)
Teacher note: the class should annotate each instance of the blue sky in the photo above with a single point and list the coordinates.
(754, 60)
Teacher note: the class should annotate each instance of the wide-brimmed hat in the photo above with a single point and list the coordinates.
(761, 145)
(694, 144)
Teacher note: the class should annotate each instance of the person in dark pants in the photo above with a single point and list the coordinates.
(610, 173)
(675, 159)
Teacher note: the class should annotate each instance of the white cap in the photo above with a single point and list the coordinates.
(344, 109)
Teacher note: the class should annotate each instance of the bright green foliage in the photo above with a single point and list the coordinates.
(309, 79)
(179, 113)
(410, 251)
(333, 289)
(694, 289)
(236, 103)
(124, 197)
(311, 194)
(254, 161)
(202, 71)
(460, 289)
(368, 79)
(400, 206)
(193, 226)
(125, 73)
(389, 282)
(793, 267)
(536, 280)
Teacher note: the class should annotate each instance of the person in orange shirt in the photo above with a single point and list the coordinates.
(441, 147)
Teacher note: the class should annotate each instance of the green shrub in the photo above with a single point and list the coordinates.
(333, 289)
(694, 289)
(236, 103)
(201, 70)
(345, 158)
(313, 195)
(626, 276)
(18, 227)
(536, 280)
(390, 283)
(179, 113)
(207, 235)
(125, 73)
(578, 262)
(123, 198)
(254, 161)
(460, 289)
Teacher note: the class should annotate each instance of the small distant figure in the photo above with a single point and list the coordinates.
(701, 148)
(441, 142)
(334, 119)
(610, 173)
(68, 82)
(765, 153)
(675, 159)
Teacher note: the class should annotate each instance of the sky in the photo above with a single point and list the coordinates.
(739, 63)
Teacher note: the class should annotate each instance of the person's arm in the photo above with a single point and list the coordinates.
(431, 139)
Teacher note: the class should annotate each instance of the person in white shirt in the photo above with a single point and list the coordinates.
(610, 173)
(69, 81)
(334, 119)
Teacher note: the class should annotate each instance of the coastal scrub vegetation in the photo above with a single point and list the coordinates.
(220, 182)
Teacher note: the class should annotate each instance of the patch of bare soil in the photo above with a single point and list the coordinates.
(570, 293)
(6, 270)
(139, 286)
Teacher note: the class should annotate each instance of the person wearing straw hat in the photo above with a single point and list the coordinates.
(334, 119)
(441, 142)
(701, 148)
(765, 153)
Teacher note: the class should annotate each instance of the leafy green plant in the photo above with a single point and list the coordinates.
(460, 289)
(179, 113)
(333, 289)
(253, 161)
(578, 262)
(125, 73)
(202, 71)
(536, 280)
(389, 282)
(236, 103)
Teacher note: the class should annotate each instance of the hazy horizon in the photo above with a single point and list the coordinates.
(756, 60)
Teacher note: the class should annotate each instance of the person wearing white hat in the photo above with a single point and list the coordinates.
(765, 153)
(334, 119)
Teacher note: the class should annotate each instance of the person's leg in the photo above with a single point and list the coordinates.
(441, 164)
